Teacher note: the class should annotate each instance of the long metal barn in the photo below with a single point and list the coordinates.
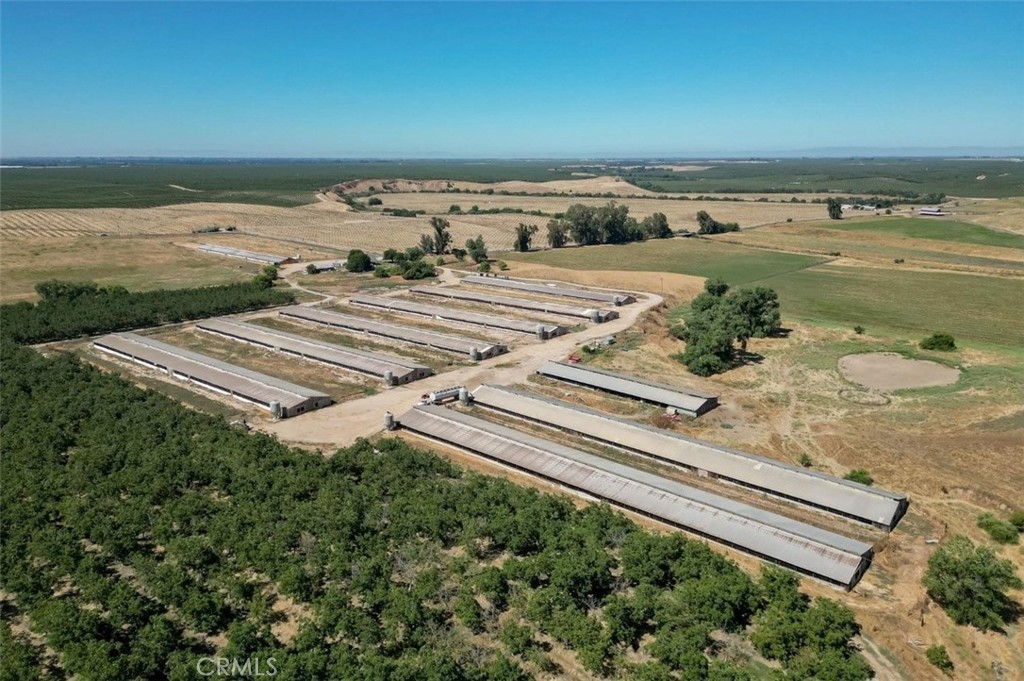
(592, 314)
(476, 349)
(867, 504)
(541, 329)
(681, 399)
(281, 398)
(394, 370)
(552, 289)
(808, 549)
(252, 256)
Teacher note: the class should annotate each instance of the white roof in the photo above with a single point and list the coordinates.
(456, 315)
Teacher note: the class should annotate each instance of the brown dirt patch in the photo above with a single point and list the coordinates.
(891, 371)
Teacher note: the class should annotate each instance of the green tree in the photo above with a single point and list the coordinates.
(581, 222)
(524, 237)
(971, 583)
(374, 201)
(311, 269)
(358, 261)
(477, 249)
(655, 226)
(426, 243)
(442, 235)
(469, 611)
(557, 234)
(835, 208)
(708, 225)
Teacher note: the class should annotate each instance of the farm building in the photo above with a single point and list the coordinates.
(281, 398)
(394, 370)
(552, 289)
(542, 330)
(326, 266)
(594, 315)
(476, 349)
(689, 402)
(932, 210)
(808, 549)
(842, 497)
(247, 255)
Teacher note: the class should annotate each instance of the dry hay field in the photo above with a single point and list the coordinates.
(588, 185)
(954, 449)
(680, 214)
(1007, 214)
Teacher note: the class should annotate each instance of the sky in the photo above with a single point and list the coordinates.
(507, 80)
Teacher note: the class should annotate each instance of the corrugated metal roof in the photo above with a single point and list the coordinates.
(347, 358)
(454, 315)
(440, 341)
(522, 303)
(249, 384)
(840, 496)
(244, 255)
(804, 547)
(551, 289)
(678, 397)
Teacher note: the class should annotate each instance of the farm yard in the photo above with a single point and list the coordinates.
(951, 447)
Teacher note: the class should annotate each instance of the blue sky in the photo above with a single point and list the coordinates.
(477, 80)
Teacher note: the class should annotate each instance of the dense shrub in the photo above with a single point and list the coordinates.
(358, 261)
(939, 341)
(859, 475)
(938, 656)
(1001, 531)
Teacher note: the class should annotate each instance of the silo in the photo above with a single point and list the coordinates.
(275, 409)
(389, 421)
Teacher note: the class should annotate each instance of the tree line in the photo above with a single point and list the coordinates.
(69, 309)
(134, 530)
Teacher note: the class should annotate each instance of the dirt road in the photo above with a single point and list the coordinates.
(340, 425)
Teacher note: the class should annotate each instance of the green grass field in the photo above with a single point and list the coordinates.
(931, 228)
(978, 308)
(700, 257)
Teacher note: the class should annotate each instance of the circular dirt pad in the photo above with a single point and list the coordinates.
(890, 371)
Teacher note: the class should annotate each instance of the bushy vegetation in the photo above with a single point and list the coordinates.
(717, 319)
(1001, 531)
(69, 309)
(128, 519)
(938, 656)
(859, 475)
(835, 208)
(477, 249)
(708, 225)
(942, 342)
(408, 264)
(971, 584)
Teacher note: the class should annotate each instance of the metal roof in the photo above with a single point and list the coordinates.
(440, 341)
(401, 370)
(244, 255)
(678, 397)
(812, 550)
(869, 504)
(523, 303)
(251, 385)
(455, 315)
(551, 289)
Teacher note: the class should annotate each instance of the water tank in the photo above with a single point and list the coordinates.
(389, 377)
(275, 409)
(389, 421)
(464, 395)
(540, 332)
(474, 354)
(595, 316)
(439, 396)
